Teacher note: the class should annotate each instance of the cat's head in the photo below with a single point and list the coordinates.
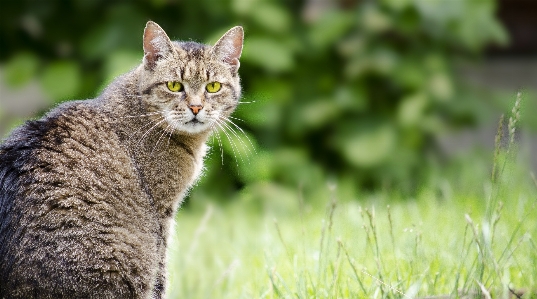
(189, 86)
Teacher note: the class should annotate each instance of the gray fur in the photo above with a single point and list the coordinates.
(89, 191)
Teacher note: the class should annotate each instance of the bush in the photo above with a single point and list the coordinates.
(357, 90)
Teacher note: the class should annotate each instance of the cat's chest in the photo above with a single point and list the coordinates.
(168, 173)
(197, 163)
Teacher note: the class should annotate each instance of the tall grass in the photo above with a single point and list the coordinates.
(381, 246)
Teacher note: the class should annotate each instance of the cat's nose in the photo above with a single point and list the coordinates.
(196, 108)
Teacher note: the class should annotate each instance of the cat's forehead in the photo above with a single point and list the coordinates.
(191, 50)
(194, 62)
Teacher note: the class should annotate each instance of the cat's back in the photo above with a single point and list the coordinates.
(67, 182)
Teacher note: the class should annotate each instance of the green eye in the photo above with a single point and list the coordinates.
(175, 86)
(213, 87)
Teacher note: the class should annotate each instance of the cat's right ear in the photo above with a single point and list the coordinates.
(157, 44)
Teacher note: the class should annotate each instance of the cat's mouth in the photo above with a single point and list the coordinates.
(194, 121)
(194, 126)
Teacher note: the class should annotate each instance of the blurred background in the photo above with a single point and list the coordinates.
(367, 95)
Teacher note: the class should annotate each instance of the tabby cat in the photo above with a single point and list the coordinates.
(89, 191)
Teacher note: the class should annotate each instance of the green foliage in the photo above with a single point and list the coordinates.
(61, 79)
(20, 69)
(358, 90)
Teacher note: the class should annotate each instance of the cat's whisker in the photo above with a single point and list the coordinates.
(234, 147)
(141, 115)
(249, 102)
(150, 129)
(170, 134)
(233, 130)
(236, 118)
(133, 97)
(217, 135)
(242, 131)
(151, 122)
(160, 137)
(234, 133)
(141, 128)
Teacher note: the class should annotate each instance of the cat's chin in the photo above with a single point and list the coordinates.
(193, 127)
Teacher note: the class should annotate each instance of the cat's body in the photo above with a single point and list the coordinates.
(88, 192)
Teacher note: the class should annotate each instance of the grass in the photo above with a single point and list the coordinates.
(409, 250)
(448, 244)
(357, 249)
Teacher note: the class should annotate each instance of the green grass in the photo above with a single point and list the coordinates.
(412, 248)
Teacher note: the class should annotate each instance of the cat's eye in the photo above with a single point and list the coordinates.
(175, 86)
(213, 87)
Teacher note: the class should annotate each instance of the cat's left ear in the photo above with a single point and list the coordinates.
(229, 47)
(157, 44)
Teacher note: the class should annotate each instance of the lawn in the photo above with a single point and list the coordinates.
(462, 240)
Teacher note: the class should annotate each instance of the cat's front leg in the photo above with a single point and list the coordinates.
(160, 284)
(159, 287)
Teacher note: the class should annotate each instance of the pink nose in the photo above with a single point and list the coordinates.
(196, 108)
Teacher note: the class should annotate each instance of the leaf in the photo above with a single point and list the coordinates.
(272, 17)
(408, 75)
(268, 53)
(260, 109)
(441, 87)
(330, 28)
(101, 41)
(61, 80)
(259, 168)
(20, 69)
(316, 114)
(411, 109)
(121, 62)
(374, 20)
(244, 7)
(397, 5)
(369, 145)
(384, 60)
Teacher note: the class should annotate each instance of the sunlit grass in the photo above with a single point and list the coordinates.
(355, 249)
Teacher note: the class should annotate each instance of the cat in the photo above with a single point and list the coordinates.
(88, 192)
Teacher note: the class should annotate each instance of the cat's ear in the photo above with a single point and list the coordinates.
(229, 46)
(157, 44)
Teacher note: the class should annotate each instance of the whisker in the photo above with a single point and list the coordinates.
(141, 128)
(244, 133)
(217, 136)
(160, 137)
(236, 118)
(170, 135)
(239, 128)
(141, 115)
(234, 133)
(150, 129)
(234, 148)
(134, 95)
(250, 102)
